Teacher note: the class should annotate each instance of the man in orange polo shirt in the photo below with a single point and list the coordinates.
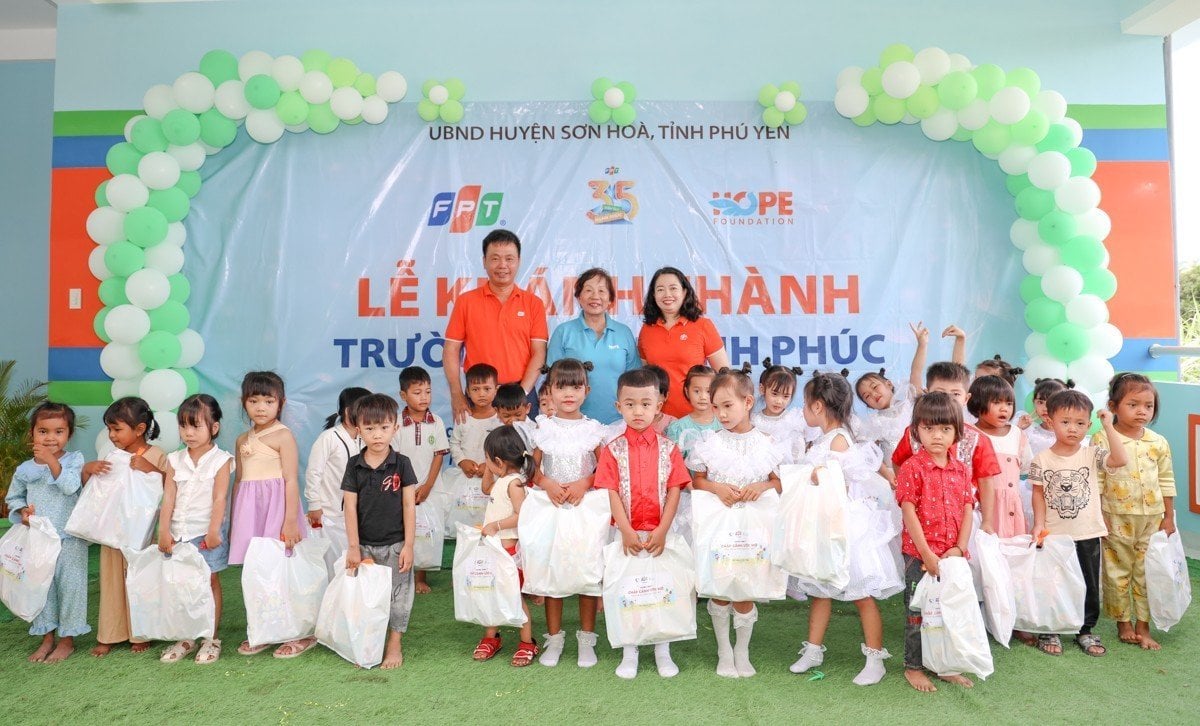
(498, 323)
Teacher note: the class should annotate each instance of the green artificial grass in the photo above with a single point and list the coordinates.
(439, 683)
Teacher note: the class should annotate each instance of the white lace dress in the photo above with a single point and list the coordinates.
(886, 427)
(734, 459)
(568, 446)
(788, 430)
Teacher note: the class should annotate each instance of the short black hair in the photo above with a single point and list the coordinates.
(997, 366)
(779, 378)
(833, 391)
(501, 237)
(132, 411)
(263, 383)
(936, 409)
(1123, 384)
(49, 409)
(482, 373)
(414, 374)
(510, 396)
(947, 371)
(664, 378)
(1044, 388)
(1068, 399)
(199, 410)
(375, 409)
(637, 378)
(986, 389)
(568, 372)
(346, 400)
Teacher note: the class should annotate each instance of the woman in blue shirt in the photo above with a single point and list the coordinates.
(594, 336)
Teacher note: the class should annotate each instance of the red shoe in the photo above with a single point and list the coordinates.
(487, 649)
(524, 655)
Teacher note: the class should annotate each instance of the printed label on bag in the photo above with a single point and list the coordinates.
(740, 547)
(481, 575)
(647, 591)
(473, 500)
(12, 563)
(931, 614)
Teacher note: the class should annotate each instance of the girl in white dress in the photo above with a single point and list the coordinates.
(777, 387)
(326, 464)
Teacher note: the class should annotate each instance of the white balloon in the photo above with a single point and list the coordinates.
(96, 264)
(613, 97)
(104, 447)
(1075, 129)
(254, 63)
(1024, 234)
(346, 103)
(1049, 170)
(785, 101)
(1035, 344)
(1052, 104)
(439, 94)
(264, 125)
(126, 324)
(316, 87)
(941, 125)
(163, 389)
(147, 289)
(1095, 223)
(125, 387)
(189, 158)
(106, 225)
(959, 62)
(1106, 340)
(1038, 258)
(1015, 159)
(130, 123)
(159, 100)
(374, 110)
(1087, 311)
(391, 86)
(164, 257)
(849, 76)
(1045, 366)
(933, 64)
(1062, 283)
(298, 128)
(168, 430)
(1077, 195)
(230, 100)
(126, 192)
(901, 79)
(288, 71)
(193, 92)
(192, 346)
(851, 101)
(158, 170)
(209, 150)
(974, 116)
(1009, 105)
(176, 234)
(1091, 373)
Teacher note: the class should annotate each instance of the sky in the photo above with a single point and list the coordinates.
(1185, 119)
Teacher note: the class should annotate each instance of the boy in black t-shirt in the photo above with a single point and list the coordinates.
(380, 502)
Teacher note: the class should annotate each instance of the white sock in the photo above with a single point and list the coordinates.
(629, 662)
(720, 620)
(873, 671)
(743, 626)
(662, 659)
(811, 656)
(587, 648)
(553, 648)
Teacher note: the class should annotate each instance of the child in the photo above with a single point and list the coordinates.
(567, 446)
(872, 520)
(545, 405)
(195, 487)
(380, 503)
(1041, 436)
(512, 408)
(890, 413)
(1066, 499)
(266, 494)
(511, 466)
(997, 366)
(663, 420)
(737, 464)
(422, 438)
(972, 448)
(934, 491)
(466, 447)
(1137, 501)
(326, 466)
(777, 386)
(643, 490)
(130, 422)
(48, 485)
(992, 402)
(688, 430)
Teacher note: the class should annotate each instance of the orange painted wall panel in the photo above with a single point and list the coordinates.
(72, 199)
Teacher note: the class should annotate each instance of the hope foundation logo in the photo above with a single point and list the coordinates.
(746, 208)
(466, 209)
(618, 207)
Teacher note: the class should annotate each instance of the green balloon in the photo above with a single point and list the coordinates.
(219, 66)
(790, 86)
(181, 289)
(315, 60)
(262, 91)
(1017, 183)
(1026, 80)
(1031, 129)
(1083, 161)
(957, 90)
(767, 94)
(1031, 288)
(122, 158)
(98, 323)
(181, 127)
(342, 72)
(887, 109)
(292, 108)
(147, 135)
(1033, 203)
(797, 115)
(872, 80)
(112, 290)
(599, 86)
(173, 203)
(992, 139)
(171, 317)
(321, 118)
(428, 111)
(159, 349)
(866, 118)
(353, 121)
(124, 258)
(1056, 227)
(365, 84)
(624, 115)
(598, 112)
(1043, 314)
(1083, 253)
(216, 130)
(990, 78)
(1058, 138)
(772, 117)
(428, 85)
(189, 183)
(101, 197)
(452, 111)
(457, 90)
(1097, 281)
(895, 52)
(963, 134)
(924, 102)
(192, 380)
(145, 226)
(1067, 342)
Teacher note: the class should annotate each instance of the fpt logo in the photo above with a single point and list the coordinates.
(466, 209)
(616, 203)
(752, 208)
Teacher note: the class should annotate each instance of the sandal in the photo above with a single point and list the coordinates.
(487, 649)
(246, 649)
(210, 651)
(1090, 643)
(524, 655)
(178, 652)
(1046, 642)
(294, 648)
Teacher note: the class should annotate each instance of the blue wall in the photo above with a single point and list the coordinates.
(1177, 400)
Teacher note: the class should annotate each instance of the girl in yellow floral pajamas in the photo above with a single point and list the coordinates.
(1137, 500)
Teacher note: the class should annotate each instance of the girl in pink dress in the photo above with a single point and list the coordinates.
(991, 400)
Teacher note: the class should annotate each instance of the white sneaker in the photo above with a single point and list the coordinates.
(811, 656)
(553, 648)
(873, 671)
(587, 648)
(629, 663)
(662, 659)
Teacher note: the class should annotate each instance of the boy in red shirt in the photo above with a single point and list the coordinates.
(934, 492)
(643, 472)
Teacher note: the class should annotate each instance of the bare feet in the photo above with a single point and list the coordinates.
(139, 647)
(918, 680)
(1143, 634)
(101, 650)
(959, 680)
(393, 657)
(66, 646)
(423, 588)
(1126, 634)
(39, 655)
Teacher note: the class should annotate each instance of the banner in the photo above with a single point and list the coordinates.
(335, 260)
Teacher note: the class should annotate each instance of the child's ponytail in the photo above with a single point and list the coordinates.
(346, 400)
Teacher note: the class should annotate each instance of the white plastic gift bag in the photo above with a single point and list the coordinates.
(1048, 586)
(562, 548)
(999, 602)
(733, 548)
(487, 589)
(118, 508)
(464, 500)
(283, 590)
(812, 519)
(1168, 587)
(354, 613)
(428, 536)
(28, 555)
(953, 640)
(649, 599)
(170, 597)
(333, 531)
